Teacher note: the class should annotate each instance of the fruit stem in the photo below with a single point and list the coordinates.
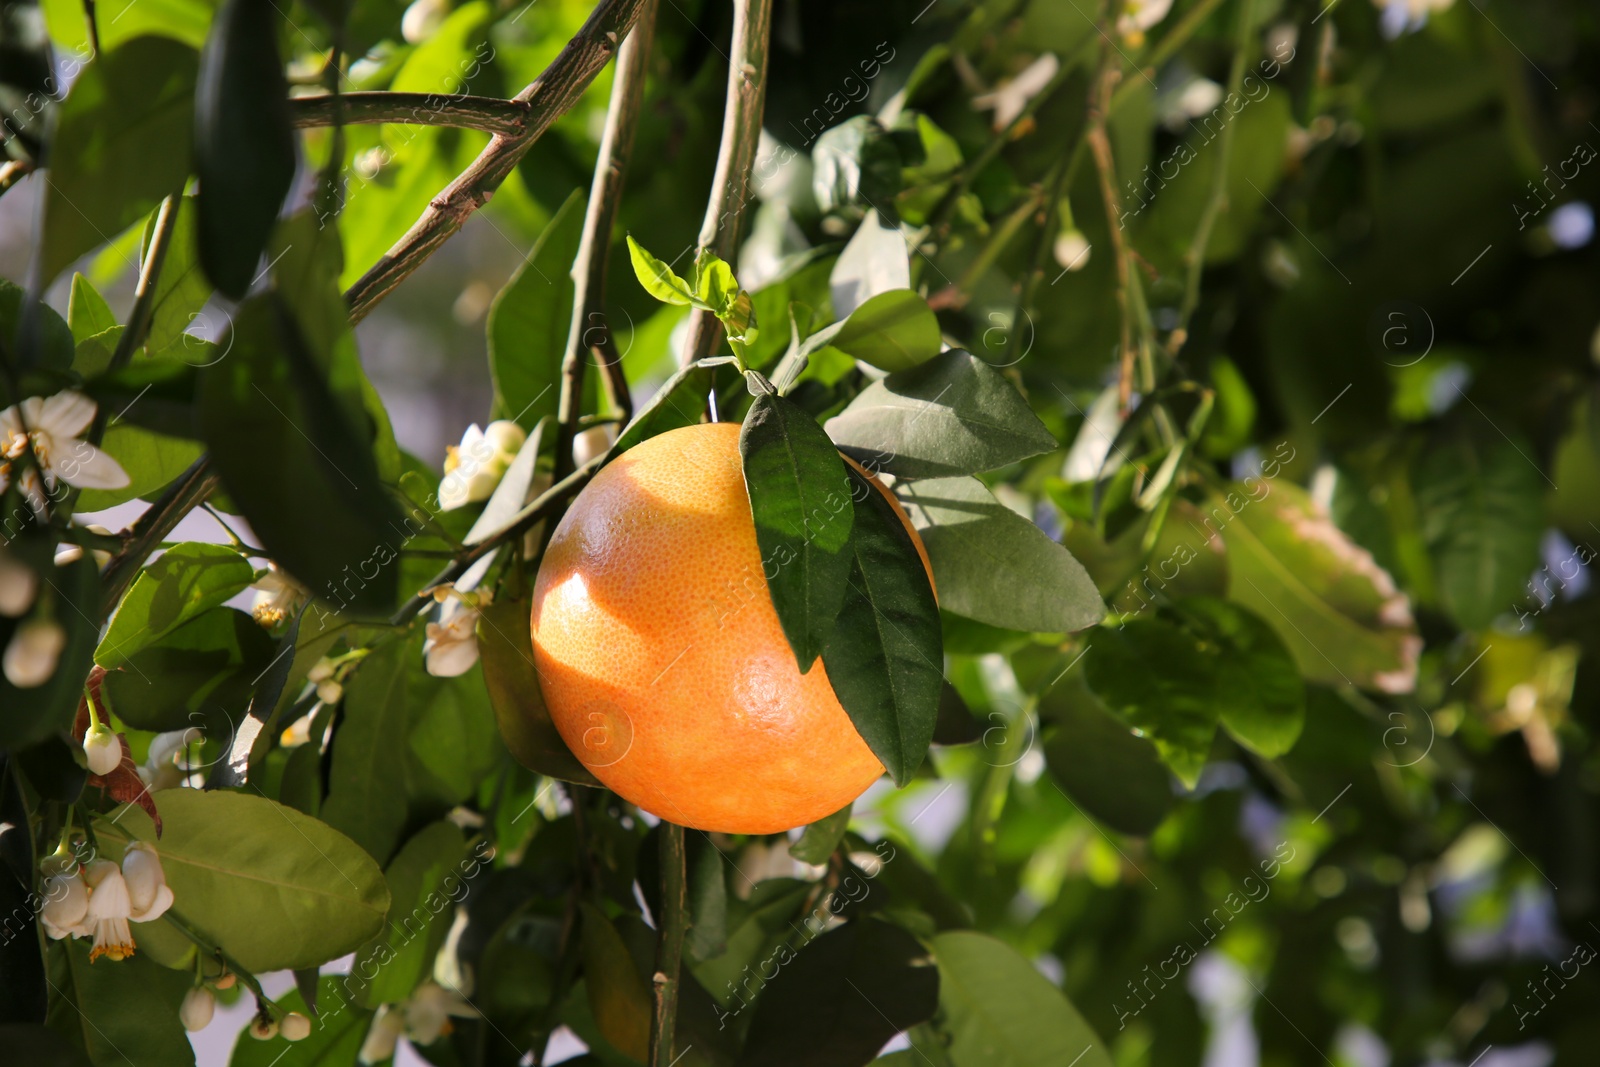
(672, 922)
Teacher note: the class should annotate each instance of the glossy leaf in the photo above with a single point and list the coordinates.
(244, 149)
(679, 402)
(424, 879)
(185, 581)
(993, 565)
(658, 279)
(885, 658)
(201, 673)
(954, 414)
(129, 114)
(529, 320)
(1259, 688)
(276, 889)
(821, 838)
(87, 311)
(800, 500)
(127, 1013)
(893, 331)
(366, 784)
(1104, 767)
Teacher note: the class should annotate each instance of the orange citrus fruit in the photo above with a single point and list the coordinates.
(660, 654)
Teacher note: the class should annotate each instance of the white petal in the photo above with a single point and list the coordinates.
(141, 870)
(30, 659)
(84, 466)
(66, 414)
(447, 659)
(382, 1037)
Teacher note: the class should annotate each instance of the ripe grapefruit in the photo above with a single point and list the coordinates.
(660, 654)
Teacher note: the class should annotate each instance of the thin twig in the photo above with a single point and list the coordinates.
(146, 534)
(736, 158)
(589, 270)
(487, 113)
(1217, 200)
(552, 95)
(1100, 148)
(673, 921)
(144, 298)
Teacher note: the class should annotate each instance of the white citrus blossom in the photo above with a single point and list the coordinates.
(66, 904)
(19, 586)
(1071, 249)
(103, 749)
(1140, 15)
(199, 1004)
(160, 769)
(424, 1018)
(53, 425)
(474, 467)
(278, 596)
(1011, 99)
(108, 911)
(31, 656)
(149, 896)
(451, 647)
(329, 691)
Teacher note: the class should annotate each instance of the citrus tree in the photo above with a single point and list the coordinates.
(1006, 532)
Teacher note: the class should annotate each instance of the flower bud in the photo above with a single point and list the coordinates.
(264, 1028)
(103, 748)
(296, 1027)
(227, 981)
(591, 443)
(1072, 249)
(198, 1006)
(30, 659)
(506, 437)
(320, 671)
(330, 692)
(19, 585)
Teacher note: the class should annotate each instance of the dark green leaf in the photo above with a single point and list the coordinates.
(842, 997)
(800, 500)
(39, 1046)
(185, 581)
(993, 565)
(244, 148)
(506, 648)
(893, 331)
(199, 674)
(954, 414)
(50, 346)
(121, 1014)
(276, 889)
(155, 394)
(1259, 688)
(285, 447)
(885, 658)
(122, 144)
(423, 877)
(1112, 773)
(529, 320)
(366, 786)
(618, 996)
(822, 837)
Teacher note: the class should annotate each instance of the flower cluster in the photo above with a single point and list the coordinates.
(473, 468)
(100, 899)
(451, 647)
(53, 428)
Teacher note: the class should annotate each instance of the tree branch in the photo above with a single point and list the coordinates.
(553, 94)
(490, 114)
(741, 136)
(589, 270)
(672, 922)
(1105, 167)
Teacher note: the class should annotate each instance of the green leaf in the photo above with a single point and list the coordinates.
(119, 1012)
(122, 21)
(121, 145)
(821, 838)
(156, 394)
(885, 658)
(244, 147)
(679, 402)
(186, 580)
(423, 876)
(338, 1030)
(707, 890)
(153, 461)
(529, 320)
(1177, 706)
(993, 565)
(277, 890)
(1259, 688)
(842, 997)
(39, 1046)
(658, 279)
(1334, 607)
(893, 331)
(286, 447)
(999, 1011)
(1481, 503)
(618, 997)
(87, 311)
(199, 674)
(506, 649)
(182, 290)
(366, 784)
(800, 500)
(1104, 767)
(954, 414)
